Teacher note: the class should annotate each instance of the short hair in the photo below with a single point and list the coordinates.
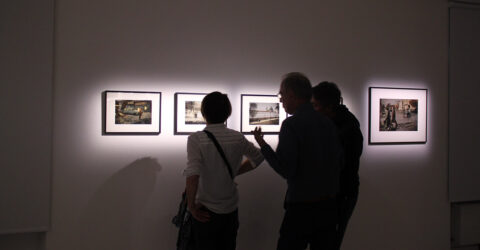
(299, 84)
(327, 94)
(216, 107)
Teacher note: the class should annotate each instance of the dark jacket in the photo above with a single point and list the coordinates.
(308, 155)
(352, 143)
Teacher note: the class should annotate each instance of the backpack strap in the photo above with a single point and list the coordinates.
(219, 148)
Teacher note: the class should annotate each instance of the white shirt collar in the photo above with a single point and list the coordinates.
(216, 125)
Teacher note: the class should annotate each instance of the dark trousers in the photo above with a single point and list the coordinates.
(311, 224)
(219, 233)
(345, 204)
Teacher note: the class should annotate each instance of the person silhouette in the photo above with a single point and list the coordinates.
(309, 156)
(327, 99)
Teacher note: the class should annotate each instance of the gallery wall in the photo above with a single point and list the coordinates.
(120, 192)
(26, 80)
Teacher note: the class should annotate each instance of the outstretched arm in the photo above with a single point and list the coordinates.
(284, 160)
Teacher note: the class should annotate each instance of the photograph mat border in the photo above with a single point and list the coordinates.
(397, 137)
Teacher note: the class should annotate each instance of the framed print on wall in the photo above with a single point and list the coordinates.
(263, 111)
(132, 113)
(188, 114)
(397, 116)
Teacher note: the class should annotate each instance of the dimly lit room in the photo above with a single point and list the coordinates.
(101, 98)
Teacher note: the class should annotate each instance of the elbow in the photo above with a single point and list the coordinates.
(285, 175)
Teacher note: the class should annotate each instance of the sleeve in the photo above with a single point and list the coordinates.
(251, 152)
(284, 160)
(194, 157)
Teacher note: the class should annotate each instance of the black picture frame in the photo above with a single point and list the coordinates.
(180, 127)
(410, 129)
(246, 127)
(109, 122)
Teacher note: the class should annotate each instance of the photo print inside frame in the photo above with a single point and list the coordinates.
(264, 113)
(133, 112)
(398, 115)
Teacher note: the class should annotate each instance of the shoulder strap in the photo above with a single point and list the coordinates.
(219, 148)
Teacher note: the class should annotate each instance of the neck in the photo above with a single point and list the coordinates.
(208, 123)
(297, 104)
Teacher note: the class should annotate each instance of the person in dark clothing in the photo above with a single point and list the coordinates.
(309, 156)
(327, 100)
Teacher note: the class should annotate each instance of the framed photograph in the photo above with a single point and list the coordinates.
(188, 114)
(132, 113)
(263, 111)
(397, 116)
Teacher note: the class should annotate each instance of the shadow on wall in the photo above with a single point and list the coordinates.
(114, 209)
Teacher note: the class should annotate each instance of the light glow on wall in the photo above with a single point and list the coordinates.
(169, 144)
(393, 153)
(166, 143)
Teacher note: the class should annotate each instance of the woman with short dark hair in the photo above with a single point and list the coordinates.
(212, 194)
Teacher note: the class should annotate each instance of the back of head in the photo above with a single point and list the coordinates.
(327, 94)
(299, 84)
(216, 107)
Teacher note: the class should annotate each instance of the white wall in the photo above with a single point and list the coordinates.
(120, 192)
